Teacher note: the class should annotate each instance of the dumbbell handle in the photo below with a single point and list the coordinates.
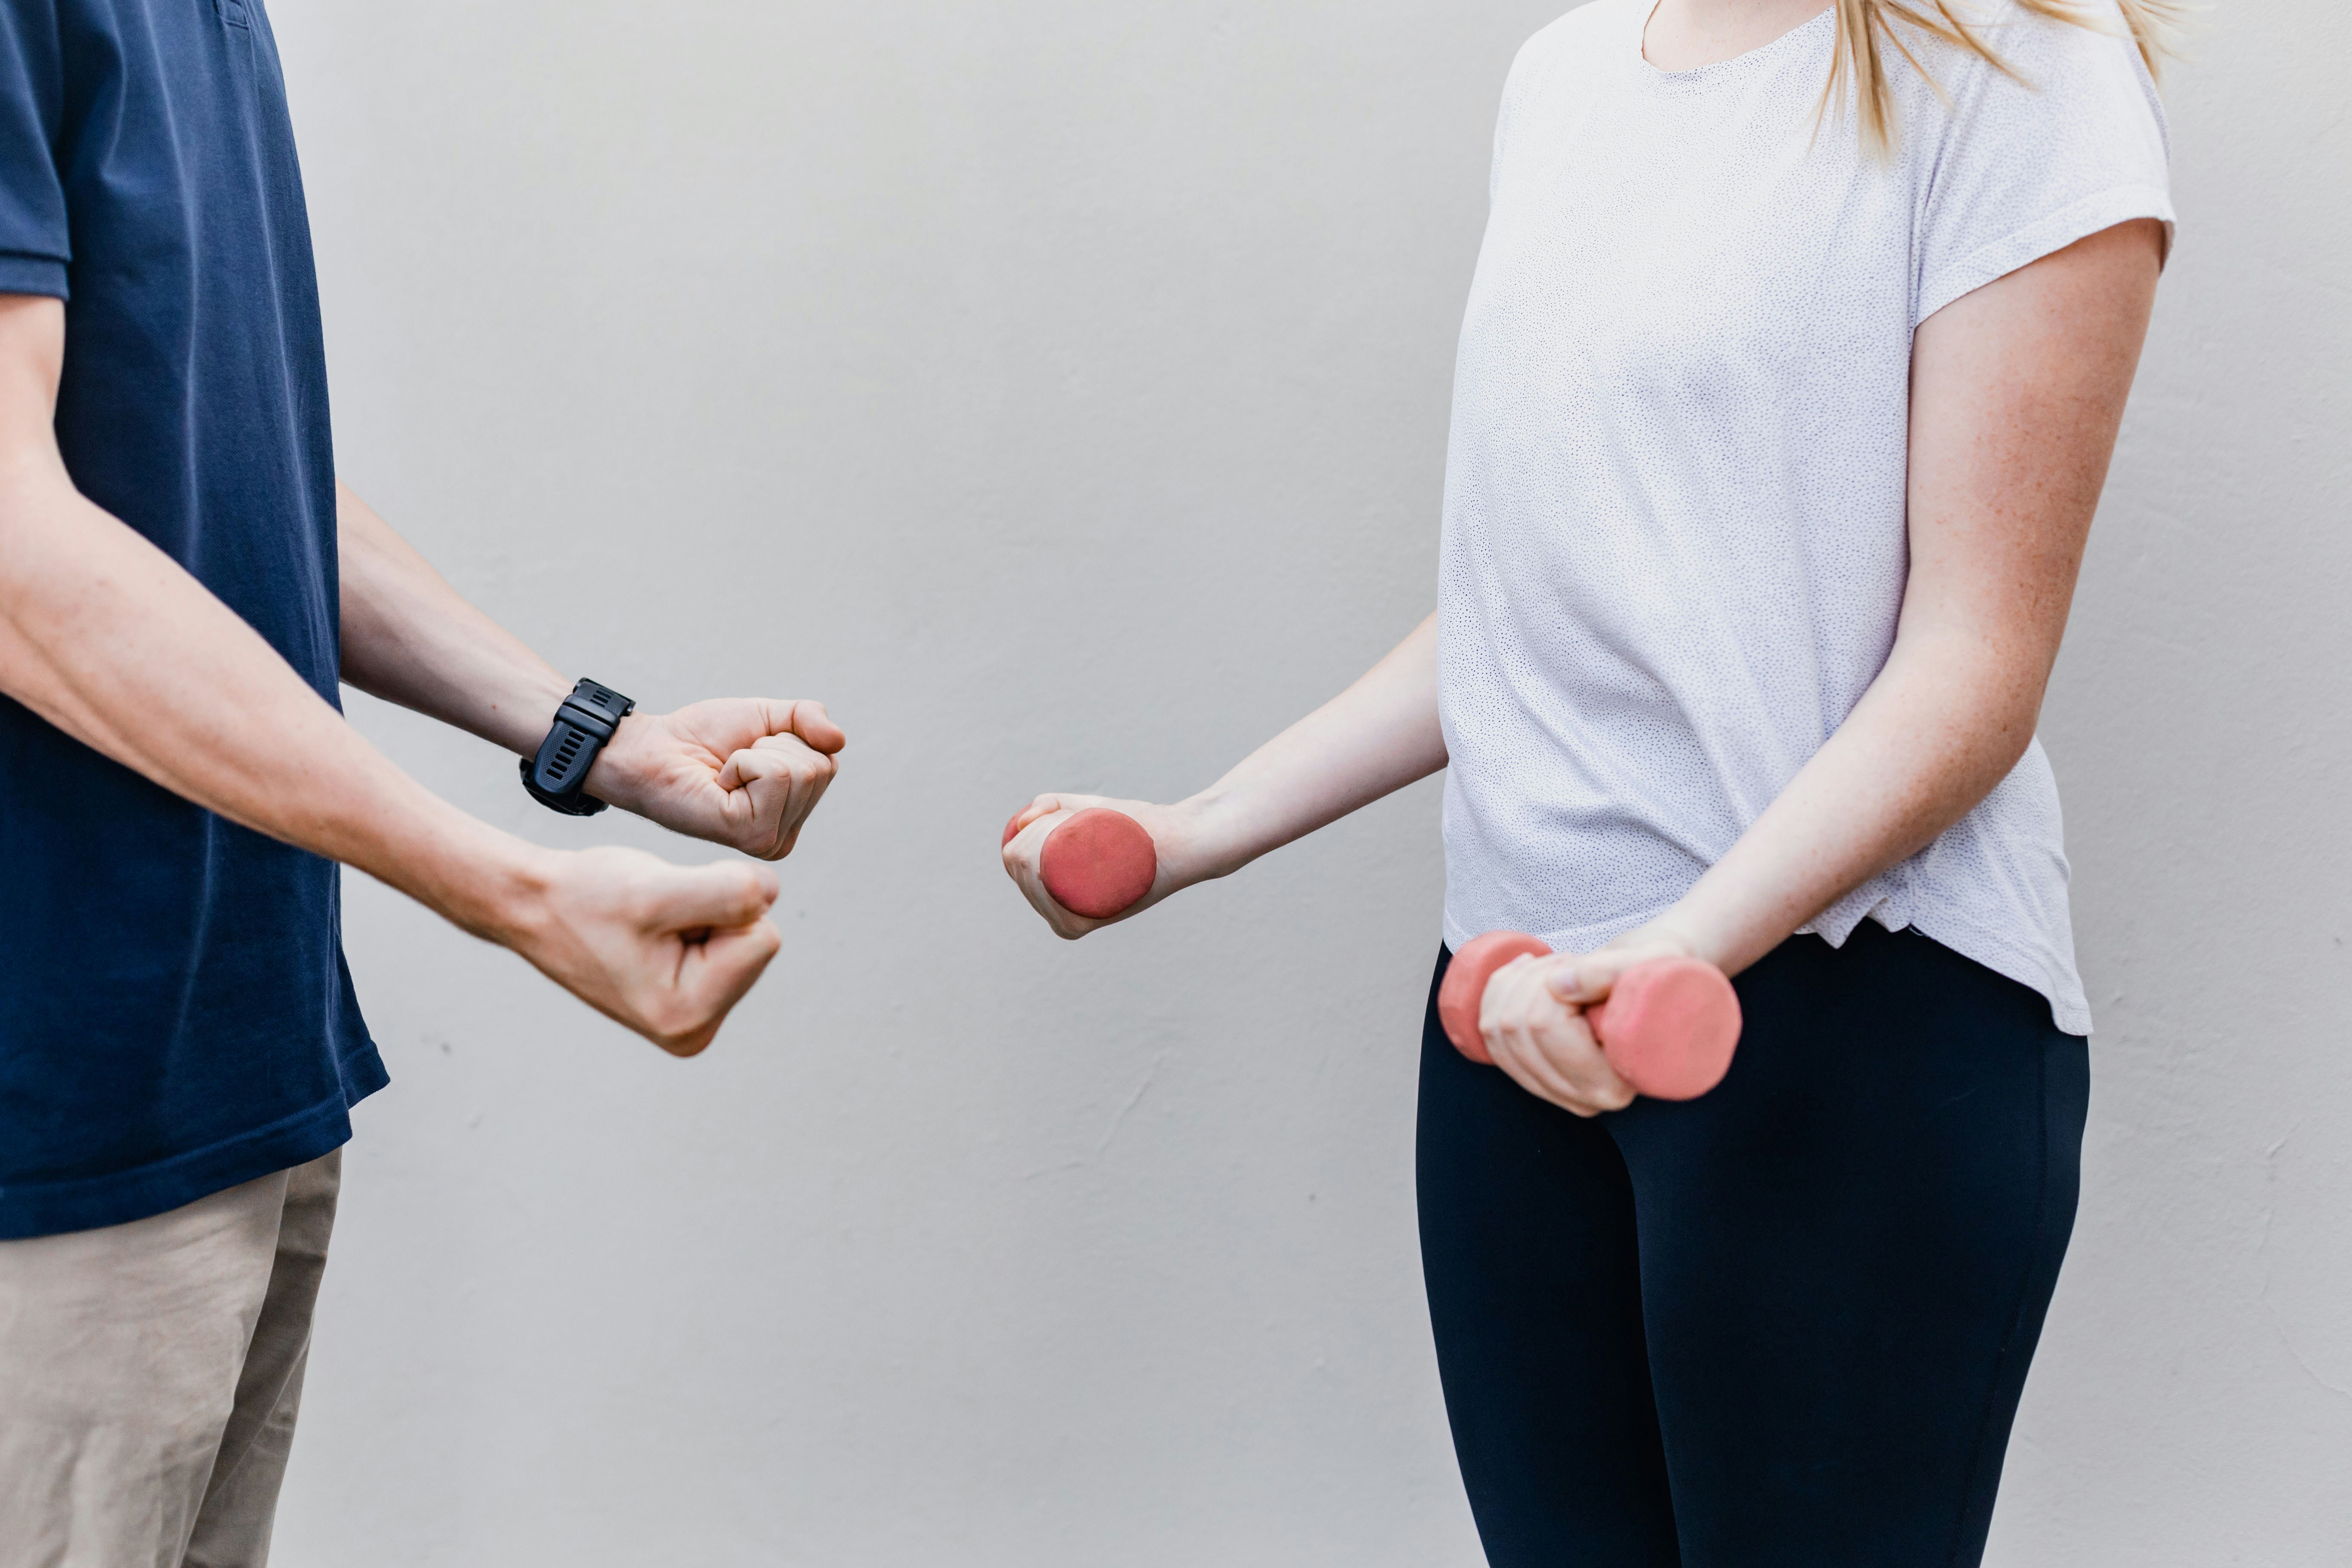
(1669, 1026)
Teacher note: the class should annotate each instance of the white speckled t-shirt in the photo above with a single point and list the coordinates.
(1674, 543)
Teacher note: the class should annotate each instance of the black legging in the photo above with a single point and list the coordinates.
(1786, 1324)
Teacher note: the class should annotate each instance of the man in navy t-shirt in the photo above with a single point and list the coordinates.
(182, 583)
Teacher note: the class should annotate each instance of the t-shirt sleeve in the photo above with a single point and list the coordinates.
(2026, 164)
(1528, 68)
(34, 240)
(1513, 85)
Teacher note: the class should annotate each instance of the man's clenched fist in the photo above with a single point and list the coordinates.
(667, 950)
(744, 772)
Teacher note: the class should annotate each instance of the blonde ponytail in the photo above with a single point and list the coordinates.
(1866, 30)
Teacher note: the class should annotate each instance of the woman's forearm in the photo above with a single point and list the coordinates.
(1373, 739)
(1944, 722)
(2017, 391)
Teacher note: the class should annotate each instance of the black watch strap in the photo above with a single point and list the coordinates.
(582, 725)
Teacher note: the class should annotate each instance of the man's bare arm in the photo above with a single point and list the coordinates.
(113, 642)
(743, 771)
(409, 637)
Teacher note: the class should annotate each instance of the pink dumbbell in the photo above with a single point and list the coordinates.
(1098, 864)
(1669, 1025)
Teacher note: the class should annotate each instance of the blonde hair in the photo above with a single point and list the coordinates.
(1864, 26)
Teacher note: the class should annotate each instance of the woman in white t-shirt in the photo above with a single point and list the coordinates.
(1790, 374)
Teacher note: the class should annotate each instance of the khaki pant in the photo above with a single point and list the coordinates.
(149, 1374)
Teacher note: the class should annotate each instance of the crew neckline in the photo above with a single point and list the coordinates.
(1698, 78)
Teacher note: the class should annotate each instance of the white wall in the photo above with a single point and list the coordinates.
(1058, 389)
(2192, 1403)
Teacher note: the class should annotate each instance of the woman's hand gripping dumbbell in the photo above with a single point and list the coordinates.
(1085, 861)
(1666, 1023)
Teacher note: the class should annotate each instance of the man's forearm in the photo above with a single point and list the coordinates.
(743, 771)
(119, 646)
(112, 641)
(411, 638)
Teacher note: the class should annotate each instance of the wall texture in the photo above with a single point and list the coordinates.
(1058, 389)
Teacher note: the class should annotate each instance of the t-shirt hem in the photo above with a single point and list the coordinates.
(22, 273)
(2030, 967)
(54, 1209)
(2035, 968)
(2077, 220)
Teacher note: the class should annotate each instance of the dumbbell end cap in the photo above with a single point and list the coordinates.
(1671, 1027)
(1464, 988)
(1098, 864)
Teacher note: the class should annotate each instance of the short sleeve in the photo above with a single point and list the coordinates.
(1511, 88)
(1528, 68)
(2069, 142)
(34, 240)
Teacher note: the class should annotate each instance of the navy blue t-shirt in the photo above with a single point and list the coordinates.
(175, 1017)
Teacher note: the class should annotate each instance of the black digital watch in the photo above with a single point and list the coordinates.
(582, 724)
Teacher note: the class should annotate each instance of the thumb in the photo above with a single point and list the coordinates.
(1042, 806)
(814, 725)
(1587, 979)
(1582, 980)
(718, 897)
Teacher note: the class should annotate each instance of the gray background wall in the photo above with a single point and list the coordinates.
(1058, 389)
